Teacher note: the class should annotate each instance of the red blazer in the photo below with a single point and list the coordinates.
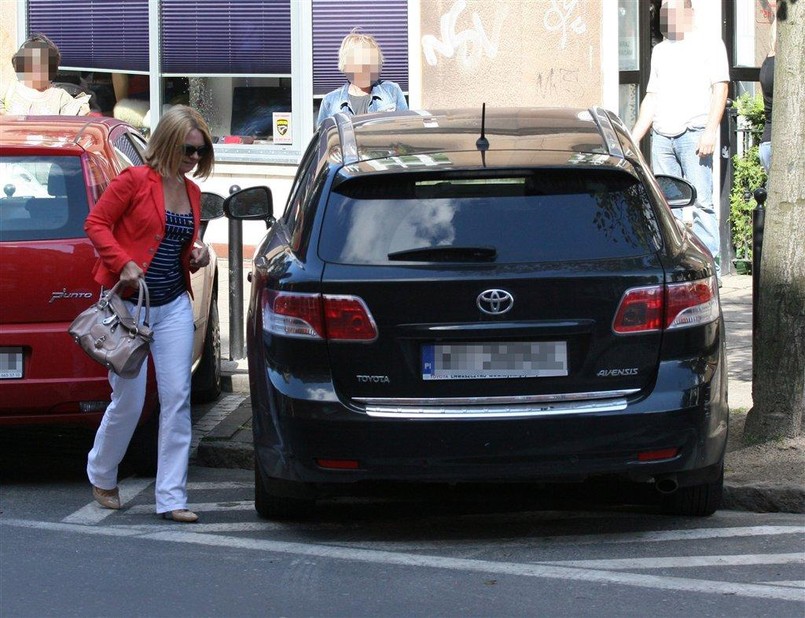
(128, 223)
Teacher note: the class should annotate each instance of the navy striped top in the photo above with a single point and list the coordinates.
(164, 277)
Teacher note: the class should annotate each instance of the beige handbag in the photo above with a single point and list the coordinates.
(109, 334)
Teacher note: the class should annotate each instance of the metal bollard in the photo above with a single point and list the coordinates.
(235, 286)
(758, 222)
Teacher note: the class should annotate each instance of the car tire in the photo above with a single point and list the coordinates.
(274, 505)
(141, 456)
(206, 384)
(696, 500)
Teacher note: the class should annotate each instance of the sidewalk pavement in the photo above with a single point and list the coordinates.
(228, 444)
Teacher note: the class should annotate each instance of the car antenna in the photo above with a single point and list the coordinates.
(482, 144)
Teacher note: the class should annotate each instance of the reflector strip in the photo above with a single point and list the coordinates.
(666, 453)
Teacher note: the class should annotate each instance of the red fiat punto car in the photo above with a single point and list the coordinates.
(52, 172)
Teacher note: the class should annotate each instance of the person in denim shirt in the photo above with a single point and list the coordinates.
(361, 60)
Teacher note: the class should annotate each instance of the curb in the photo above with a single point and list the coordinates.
(235, 376)
(764, 498)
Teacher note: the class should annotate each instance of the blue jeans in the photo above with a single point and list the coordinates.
(676, 156)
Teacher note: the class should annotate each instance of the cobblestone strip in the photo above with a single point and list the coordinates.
(211, 419)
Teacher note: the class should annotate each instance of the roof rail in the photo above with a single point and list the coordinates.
(346, 135)
(607, 131)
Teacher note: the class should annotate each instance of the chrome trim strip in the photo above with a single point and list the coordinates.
(493, 401)
(495, 412)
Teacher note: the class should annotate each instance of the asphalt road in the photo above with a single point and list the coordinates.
(424, 554)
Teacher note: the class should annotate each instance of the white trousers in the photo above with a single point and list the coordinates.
(172, 352)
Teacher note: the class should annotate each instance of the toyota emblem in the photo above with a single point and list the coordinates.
(495, 302)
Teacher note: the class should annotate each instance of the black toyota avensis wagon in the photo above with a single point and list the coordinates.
(469, 296)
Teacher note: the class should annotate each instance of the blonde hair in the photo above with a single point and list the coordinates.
(357, 39)
(166, 145)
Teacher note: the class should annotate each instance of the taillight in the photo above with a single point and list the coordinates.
(347, 318)
(640, 311)
(317, 316)
(672, 306)
(293, 314)
(691, 303)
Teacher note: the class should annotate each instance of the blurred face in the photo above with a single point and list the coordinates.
(190, 150)
(362, 66)
(675, 19)
(35, 73)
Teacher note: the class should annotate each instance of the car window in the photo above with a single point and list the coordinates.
(128, 152)
(298, 203)
(43, 198)
(552, 215)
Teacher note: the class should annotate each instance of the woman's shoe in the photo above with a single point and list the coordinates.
(107, 498)
(184, 516)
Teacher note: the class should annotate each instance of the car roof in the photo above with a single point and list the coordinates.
(63, 132)
(517, 137)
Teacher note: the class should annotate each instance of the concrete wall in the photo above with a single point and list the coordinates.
(507, 53)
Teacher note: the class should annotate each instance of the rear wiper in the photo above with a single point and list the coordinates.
(446, 253)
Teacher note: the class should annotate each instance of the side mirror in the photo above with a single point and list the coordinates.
(677, 191)
(250, 204)
(212, 206)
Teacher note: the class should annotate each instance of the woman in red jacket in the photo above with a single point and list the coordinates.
(145, 226)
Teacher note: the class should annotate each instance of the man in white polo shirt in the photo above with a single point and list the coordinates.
(684, 102)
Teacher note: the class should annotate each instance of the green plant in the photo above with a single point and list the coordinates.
(748, 175)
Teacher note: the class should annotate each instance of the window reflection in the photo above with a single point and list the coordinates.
(628, 35)
(379, 228)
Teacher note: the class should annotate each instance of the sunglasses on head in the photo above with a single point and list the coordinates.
(190, 150)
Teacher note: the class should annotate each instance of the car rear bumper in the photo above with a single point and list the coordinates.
(80, 401)
(686, 412)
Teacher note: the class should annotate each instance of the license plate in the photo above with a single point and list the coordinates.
(474, 361)
(10, 363)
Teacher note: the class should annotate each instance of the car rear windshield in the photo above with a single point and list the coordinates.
(539, 216)
(43, 198)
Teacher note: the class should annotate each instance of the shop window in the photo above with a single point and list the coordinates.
(753, 20)
(628, 103)
(238, 110)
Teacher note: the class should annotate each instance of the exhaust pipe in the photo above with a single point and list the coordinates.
(666, 484)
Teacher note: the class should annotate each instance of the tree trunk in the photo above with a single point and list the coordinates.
(778, 380)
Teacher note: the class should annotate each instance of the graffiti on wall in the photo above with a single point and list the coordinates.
(554, 83)
(469, 45)
(561, 17)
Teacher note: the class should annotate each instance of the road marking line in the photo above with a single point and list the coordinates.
(656, 536)
(434, 562)
(620, 538)
(92, 513)
(788, 584)
(681, 561)
(200, 507)
(204, 485)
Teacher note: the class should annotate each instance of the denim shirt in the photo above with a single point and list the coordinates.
(386, 97)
